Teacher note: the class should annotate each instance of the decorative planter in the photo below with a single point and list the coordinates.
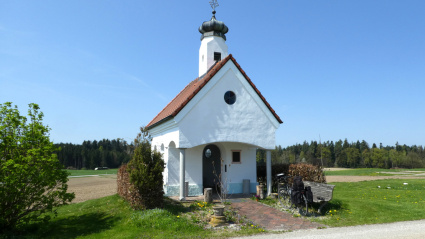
(218, 210)
(218, 218)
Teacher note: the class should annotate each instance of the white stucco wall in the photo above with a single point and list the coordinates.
(208, 118)
(237, 172)
(209, 45)
(233, 177)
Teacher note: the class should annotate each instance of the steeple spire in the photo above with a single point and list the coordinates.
(214, 4)
(213, 27)
(213, 41)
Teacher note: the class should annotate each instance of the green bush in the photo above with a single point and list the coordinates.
(145, 171)
(141, 182)
(32, 180)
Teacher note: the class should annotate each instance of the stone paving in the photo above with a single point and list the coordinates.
(262, 215)
(270, 218)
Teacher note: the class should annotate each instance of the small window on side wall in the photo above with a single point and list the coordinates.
(236, 156)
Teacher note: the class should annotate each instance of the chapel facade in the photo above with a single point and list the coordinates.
(209, 133)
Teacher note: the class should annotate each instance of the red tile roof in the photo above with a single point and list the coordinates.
(187, 94)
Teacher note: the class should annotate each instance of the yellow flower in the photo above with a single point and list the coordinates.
(178, 216)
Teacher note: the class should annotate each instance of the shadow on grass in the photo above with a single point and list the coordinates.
(65, 228)
(75, 226)
(334, 204)
(174, 207)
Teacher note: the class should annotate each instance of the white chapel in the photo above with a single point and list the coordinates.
(211, 130)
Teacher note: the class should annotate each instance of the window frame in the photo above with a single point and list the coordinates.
(240, 156)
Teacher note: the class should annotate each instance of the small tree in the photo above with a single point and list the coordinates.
(32, 181)
(145, 169)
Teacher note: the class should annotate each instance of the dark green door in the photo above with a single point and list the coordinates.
(211, 166)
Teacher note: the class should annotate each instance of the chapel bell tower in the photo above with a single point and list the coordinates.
(213, 42)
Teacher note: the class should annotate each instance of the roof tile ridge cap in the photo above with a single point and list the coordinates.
(256, 89)
(211, 73)
(185, 88)
(215, 69)
(174, 99)
(220, 64)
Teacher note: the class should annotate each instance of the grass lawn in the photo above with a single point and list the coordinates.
(380, 201)
(368, 172)
(91, 172)
(112, 217)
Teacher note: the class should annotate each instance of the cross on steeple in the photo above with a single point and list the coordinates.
(214, 4)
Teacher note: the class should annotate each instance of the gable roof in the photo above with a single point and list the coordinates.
(187, 94)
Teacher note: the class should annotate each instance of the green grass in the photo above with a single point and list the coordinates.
(365, 203)
(368, 172)
(112, 217)
(91, 172)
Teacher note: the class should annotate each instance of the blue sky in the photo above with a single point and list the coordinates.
(330, 68)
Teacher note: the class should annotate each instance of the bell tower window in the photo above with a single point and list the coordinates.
(217, 56)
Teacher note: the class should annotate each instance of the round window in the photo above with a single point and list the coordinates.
(230, 97)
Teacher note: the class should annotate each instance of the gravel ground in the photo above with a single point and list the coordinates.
(86, 188)
(405, 230)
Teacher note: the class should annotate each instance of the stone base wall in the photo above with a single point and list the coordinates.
(197, 190)
(236, 188)
(194, 190)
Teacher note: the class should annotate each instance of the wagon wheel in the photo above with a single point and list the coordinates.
(303, 210)
(285, 198)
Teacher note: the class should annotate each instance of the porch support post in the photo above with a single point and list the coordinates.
(182, 174)
(269, 171)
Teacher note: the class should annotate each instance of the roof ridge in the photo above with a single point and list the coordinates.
(193, 88)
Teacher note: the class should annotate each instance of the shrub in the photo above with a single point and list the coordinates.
(32, 180)
(125, 188)
(141, 182)
(308, 172)
(145, 171)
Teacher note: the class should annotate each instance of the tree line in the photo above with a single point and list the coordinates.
(346, 154)
(359, 154)
(92, 154)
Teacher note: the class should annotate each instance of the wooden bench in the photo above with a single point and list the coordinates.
(322, 192)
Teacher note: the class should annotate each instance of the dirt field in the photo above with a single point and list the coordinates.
(86, 188)
(331, 179)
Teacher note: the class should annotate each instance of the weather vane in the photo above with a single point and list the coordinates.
(214, 4)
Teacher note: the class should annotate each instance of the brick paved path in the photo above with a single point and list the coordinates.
(270, 218)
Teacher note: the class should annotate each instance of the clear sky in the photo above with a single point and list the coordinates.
(330, 68)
